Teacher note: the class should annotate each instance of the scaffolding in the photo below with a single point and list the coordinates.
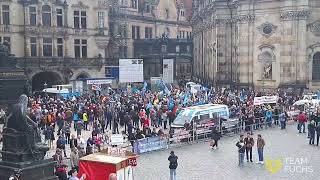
(119, 26)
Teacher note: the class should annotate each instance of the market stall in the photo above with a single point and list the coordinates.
(99, 166)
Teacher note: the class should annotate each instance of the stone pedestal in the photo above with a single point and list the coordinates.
(38, 170)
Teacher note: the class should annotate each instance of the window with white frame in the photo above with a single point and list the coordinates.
(47, 47)
(46, 15)
(33, 16)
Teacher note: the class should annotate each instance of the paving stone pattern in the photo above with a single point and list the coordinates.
(199, 162)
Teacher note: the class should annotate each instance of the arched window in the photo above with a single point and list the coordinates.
(46, 15)
(316, 66)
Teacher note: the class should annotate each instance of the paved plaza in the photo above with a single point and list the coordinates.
(199, 162)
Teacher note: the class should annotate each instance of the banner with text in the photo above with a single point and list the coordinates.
(149, 144)
(265, 100)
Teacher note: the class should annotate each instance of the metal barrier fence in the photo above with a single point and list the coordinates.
(183, 137)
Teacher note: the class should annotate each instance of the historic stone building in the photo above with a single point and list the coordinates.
(59, 40)
(262, 43)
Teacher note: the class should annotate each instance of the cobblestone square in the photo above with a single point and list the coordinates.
(199, 162)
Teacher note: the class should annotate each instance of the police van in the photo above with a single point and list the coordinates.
(202, 118)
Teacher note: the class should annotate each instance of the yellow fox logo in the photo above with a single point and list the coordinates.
(273, 166)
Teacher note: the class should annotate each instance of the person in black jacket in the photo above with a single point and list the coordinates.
(241, 149)
(173, 159)
(312, 132)
(215, 136)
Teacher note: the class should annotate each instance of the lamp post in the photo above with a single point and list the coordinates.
(45, 88)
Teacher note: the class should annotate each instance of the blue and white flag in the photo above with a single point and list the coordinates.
(144, 89)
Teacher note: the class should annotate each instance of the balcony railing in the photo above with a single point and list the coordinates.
(53, 61)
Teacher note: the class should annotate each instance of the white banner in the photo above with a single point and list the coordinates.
(116, 139)
(168, 70)
(130, 70)
(99, 81)
(265, 100)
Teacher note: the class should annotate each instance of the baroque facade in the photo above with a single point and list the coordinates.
(59, 40)
(262, 44)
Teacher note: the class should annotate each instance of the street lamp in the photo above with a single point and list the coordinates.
(45, 88)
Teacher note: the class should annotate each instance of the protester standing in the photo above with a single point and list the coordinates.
(215, 136)
(249, 142)
(311, 131)
(173, 159)
(282, 119)
(74, 159)
(241, 149)
(260, 145)
(302, 119)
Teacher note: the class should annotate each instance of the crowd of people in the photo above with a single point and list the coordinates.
(145, 114)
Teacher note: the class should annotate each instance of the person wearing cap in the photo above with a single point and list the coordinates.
(173, 159)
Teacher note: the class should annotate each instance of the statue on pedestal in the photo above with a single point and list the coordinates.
(22, 139)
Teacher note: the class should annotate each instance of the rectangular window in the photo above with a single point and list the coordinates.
(147, 8)
(80, 19)
(60, 47)
(148, 32)
(77, 48)
(138, 32)
(84, 48)
(59, 18)
(46, 15)
(8, 41)
(33, 46)
(101, 20)
(123, 51)
(133, 32)
(80, 48)
(5, 15)
(33, 16)
(134, 4)
(47, 47)
(182, 34)
(83, 20)
(76, 19)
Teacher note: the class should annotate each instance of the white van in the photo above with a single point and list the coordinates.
(205, 116)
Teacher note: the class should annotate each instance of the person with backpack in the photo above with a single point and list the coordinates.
(241, 149)
(173, 159)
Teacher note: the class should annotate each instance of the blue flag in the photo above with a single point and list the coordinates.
(144, 89)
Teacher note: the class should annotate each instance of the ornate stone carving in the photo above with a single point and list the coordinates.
(267, 29)
(248, 18)
(294, 15)
(315, 28)
(80, 5)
